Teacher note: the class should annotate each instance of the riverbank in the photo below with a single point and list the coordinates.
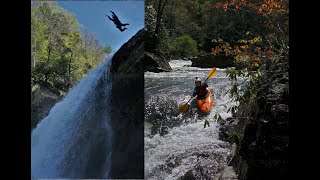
(262, 138)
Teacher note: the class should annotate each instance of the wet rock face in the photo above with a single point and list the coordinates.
(155, 63)
(227, 127)
(126, 111)
(128, 59)
(132, 58)
(126, 116)
(209, 166)
(262, 153)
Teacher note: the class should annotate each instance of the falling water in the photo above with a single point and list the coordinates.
(74, 140)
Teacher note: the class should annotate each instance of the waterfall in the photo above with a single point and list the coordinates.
(74, 140)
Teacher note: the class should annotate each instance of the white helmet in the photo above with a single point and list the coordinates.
(197, 80)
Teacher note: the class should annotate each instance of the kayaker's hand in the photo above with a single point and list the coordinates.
(205, 85)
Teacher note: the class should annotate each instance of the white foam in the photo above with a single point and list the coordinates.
(182, 141)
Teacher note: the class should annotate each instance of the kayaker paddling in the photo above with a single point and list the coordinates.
(200, 90)
(205, 99)
(204, 96)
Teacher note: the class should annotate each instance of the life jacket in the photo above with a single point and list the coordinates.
(202, 92)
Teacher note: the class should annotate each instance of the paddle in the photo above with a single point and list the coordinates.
(185, 106)
(211, 74)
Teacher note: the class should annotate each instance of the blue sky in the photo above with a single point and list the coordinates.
(92, 15)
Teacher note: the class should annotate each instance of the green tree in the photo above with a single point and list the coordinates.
(60, 53)
(107, 49)
(184, 46)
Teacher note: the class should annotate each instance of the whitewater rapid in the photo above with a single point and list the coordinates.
(176, 144)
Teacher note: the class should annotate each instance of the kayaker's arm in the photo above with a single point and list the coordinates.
(205, 85)
(194, 93)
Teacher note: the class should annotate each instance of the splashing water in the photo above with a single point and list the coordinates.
(176, 144)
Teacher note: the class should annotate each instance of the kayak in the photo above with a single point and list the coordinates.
(205, 105)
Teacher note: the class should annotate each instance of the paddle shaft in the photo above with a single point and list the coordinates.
(191, 99)
(212, 73)
(188, 102)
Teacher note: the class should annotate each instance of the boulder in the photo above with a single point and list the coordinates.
(128, 59)
(131, 58)
(155, 63)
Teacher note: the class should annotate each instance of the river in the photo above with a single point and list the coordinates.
(178, 143)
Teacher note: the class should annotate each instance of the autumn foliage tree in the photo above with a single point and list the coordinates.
(270, 45)
(256, 52)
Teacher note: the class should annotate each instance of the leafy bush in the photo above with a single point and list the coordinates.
(184, 46)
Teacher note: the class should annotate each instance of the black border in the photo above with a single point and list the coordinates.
(292, 84)
(17, 76)
(17, 95)
(303, 90)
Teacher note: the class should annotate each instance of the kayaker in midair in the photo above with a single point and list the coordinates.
(201, 90)
(117, 22)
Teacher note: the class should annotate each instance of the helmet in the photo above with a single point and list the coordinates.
(197, 80)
